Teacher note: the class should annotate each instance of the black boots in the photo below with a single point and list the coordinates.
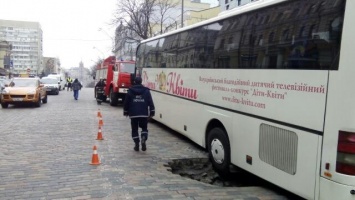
(136, 146)
(144, 147)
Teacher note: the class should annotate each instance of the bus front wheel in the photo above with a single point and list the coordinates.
(219, 151)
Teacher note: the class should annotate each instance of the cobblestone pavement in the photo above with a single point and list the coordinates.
(46, 154)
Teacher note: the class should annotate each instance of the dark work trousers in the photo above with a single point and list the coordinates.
(141, 122)
(76, 94)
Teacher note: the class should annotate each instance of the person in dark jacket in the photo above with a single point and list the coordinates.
(76, 86)
(139, 106)
(101, 83)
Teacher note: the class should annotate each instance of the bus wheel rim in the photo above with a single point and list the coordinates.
(217, 151)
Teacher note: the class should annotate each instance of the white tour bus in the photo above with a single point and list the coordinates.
(268, 87)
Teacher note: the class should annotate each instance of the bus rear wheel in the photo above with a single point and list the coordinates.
(219, 151)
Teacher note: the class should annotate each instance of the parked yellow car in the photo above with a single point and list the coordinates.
(23, 91)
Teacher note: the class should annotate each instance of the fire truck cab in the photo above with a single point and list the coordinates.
(118, 75)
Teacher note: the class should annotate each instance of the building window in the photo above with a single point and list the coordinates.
(285, 35)
(301, 33)
(271, 37)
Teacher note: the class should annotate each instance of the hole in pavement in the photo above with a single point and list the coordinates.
(200, 169)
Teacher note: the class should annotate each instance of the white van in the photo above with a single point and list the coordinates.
(60, 78)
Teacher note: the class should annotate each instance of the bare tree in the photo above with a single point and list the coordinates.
(93, 67)
(141, 16)
(135, 16)
(137, 20)
(163, 8)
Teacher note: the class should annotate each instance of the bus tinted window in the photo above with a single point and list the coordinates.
(140, 56)
(290, 35)
(168, 51)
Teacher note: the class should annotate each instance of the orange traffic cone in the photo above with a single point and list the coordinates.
(95, 157)
(101, 123)
(99, 134)
(99, 114)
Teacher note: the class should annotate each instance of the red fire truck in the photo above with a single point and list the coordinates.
(118, 76)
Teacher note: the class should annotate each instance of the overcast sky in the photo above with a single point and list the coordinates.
(71, 28)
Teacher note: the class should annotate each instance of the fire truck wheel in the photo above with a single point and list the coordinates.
(103, 98)
(113, 98)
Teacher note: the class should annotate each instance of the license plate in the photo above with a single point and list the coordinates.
(123, 90)
(48, 89)
(17, 99)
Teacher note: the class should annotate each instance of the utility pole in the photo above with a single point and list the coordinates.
(182, 13)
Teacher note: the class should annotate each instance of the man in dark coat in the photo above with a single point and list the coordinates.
(101, 83)
(139, 106)
(76, 86)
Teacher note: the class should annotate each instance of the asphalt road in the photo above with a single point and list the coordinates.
(46, 154)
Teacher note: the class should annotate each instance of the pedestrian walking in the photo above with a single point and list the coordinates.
(76, 86)
(139, 106)
(69, 83)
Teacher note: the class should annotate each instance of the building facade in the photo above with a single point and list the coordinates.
(181, 14)
(125, 47)
(5, 62)
(81, 73)
(51, 66)
(230, 4)
(26, 39)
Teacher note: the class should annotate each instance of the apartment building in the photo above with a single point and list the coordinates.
(27, 46)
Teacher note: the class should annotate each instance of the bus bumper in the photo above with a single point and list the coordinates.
(332, 190)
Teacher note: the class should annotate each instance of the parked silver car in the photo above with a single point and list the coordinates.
(51, 85)
(3, 82)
